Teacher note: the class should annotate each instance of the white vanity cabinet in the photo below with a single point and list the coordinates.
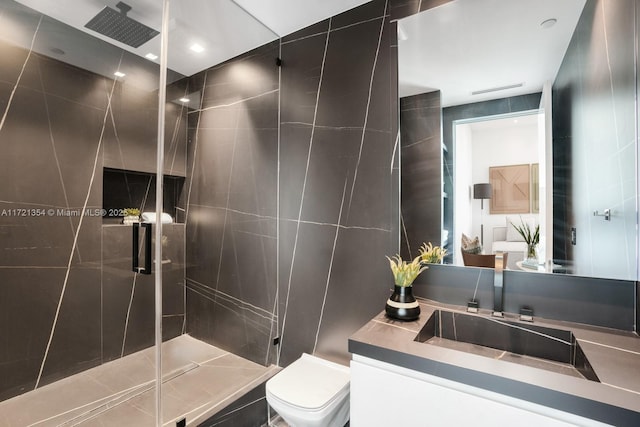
(383, 394)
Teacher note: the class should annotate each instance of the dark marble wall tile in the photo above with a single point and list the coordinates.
(588, 300)
(295, 140)
(176, 133)
(128, 299)
(383, 116)
(394, 108)
(312, 30)
(347, 180)
(43, 241)
(49, 152)
(88, 250)
(372, 10)
(249, 75)
(372, 204)
(353, 293)
(253, 177)
(422, 171)
(132, 138)
(133, 122)
(329, 176)
(349, 90)
(204, 243)
(173, 269)
(73, 84)
(28, 301)
(13, 58)
(246, 272)
(231, 234)
(601, 302)
(59, 132)
(117, 287)
(245, 267)
(229, 323)
(402, 8)
(173, 325)
(76, 339)
(303, 286)
(21, 171)
(212, 167)
(371, 198)
(55, 151)
(456, 285)
(336, 173)
(301, 69)
(138, 331)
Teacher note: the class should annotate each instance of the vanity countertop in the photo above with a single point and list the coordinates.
(614, 356)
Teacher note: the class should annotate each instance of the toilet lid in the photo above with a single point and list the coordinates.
(309, 382)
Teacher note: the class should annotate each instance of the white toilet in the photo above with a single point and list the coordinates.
(311, 392)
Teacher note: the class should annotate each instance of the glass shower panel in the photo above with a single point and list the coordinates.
(78, 134)
(79, 91)
(221, 135)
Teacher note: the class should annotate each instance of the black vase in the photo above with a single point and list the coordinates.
(402, 305)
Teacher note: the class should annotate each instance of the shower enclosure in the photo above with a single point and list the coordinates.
(85, 105)
(279, 199)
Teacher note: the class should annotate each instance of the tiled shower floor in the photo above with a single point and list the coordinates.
(199, 380)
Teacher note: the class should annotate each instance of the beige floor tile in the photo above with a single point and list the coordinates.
(203, 380)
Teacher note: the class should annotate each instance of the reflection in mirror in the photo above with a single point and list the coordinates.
(565, 71)
(501, 152)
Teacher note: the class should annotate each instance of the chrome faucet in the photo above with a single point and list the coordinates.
(498, 284)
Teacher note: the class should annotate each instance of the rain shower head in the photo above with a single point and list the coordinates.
(118, 26)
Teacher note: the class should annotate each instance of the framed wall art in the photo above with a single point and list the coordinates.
(511, 189)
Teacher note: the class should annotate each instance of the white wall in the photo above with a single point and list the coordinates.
(545, 153)
(500, 142)
(462, 218)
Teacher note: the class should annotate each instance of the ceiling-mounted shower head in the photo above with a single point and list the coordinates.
(118, 26)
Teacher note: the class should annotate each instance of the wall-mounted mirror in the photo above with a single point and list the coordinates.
(537, 98)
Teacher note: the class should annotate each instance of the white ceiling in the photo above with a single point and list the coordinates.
(474, 45)
(287, 16)
(460, 47)
(225, 28)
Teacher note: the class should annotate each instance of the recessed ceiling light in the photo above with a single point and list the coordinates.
(184, 100)
(548, 23)
(151, 56)
(197, 48)
(119, 74)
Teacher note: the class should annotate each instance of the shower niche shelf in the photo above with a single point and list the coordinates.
(133, 189)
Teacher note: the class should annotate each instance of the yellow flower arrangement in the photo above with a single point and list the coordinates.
(405, 273)
(432, 254)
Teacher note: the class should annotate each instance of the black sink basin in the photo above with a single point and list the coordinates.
(546, 348)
